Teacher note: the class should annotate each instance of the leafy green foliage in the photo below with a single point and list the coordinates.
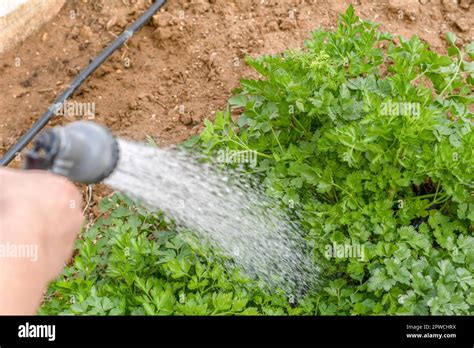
(371, 137)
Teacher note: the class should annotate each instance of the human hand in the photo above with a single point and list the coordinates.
(40, 216)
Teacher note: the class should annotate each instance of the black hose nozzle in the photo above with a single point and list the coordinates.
(82, 151)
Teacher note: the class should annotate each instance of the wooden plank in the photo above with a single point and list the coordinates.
(23, 20)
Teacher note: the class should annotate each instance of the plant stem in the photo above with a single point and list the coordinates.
(276, 138)
(454, 76)
(437, 189)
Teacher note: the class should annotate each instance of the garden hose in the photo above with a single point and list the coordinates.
(97, 62)
(83, 151)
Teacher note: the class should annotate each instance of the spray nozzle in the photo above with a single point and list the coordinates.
(82, 151)
(43, 153)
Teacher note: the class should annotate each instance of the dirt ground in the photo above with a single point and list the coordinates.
(184, 64)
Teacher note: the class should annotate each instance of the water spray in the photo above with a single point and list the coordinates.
(222, 208)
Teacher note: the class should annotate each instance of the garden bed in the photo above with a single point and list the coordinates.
(368, 134)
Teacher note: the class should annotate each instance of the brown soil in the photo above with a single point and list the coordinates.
(183, 65)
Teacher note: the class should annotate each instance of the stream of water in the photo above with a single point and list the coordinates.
(231, 213)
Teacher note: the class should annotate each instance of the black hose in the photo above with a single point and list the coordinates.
(76, 83)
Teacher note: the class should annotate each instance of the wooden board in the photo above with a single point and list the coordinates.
(19, 21)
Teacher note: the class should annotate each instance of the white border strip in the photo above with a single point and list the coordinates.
(7, 6)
